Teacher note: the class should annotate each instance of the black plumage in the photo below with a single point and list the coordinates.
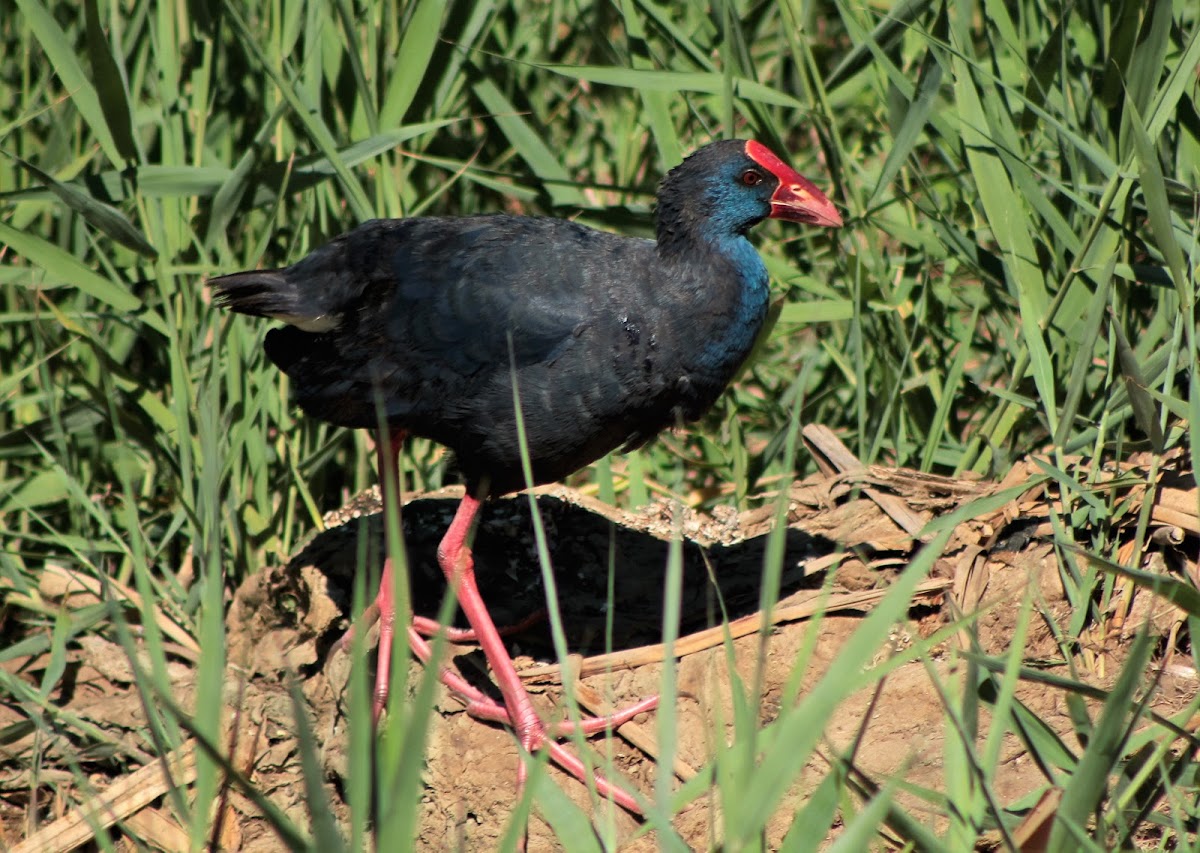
(610, 339)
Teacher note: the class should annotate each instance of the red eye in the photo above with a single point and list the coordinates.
(752, 178)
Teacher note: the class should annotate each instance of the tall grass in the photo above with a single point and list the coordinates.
(1017, 272)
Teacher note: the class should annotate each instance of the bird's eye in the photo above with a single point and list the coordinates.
(751, 178)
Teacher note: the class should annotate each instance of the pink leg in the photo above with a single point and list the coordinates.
(483, 707)
(427, 627)
(383, 608)
(455, 559)
(388, 451)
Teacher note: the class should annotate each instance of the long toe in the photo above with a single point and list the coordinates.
(608, 722)
(362, 625)
(534, 734)
(427, 627)
(539, 737)
(561, 756)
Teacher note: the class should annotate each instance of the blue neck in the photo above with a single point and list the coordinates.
(729, 346)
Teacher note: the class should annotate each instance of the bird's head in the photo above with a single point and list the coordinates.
(727, 187)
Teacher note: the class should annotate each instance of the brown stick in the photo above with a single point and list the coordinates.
(707, 639)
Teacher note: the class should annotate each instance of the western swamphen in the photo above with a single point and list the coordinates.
(432, 326)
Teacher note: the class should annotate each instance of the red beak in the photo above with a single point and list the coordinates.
(796, 199)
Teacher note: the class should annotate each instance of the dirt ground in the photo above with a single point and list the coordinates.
(853, 527)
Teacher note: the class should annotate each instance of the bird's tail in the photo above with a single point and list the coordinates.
(269, 293)
(261, 293)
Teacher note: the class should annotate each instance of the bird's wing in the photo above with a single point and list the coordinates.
(478, 294)
(430, 313)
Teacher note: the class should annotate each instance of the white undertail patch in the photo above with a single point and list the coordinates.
(310, 323)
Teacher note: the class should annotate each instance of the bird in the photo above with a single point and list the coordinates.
(491, 333)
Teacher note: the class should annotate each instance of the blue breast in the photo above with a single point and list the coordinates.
(729, 346)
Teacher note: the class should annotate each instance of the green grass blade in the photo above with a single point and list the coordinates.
(416, 49)
(75, 79)
(112, 90)
(59, 268)
(104, 218)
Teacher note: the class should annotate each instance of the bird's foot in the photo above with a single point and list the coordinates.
(541, 736)
(426, 627)
(533, 734)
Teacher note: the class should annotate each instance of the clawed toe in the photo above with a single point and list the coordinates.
(535, 734)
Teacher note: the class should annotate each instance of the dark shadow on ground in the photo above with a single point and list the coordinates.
(584, 544)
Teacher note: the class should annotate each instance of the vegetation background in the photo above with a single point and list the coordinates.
(1017, 272)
